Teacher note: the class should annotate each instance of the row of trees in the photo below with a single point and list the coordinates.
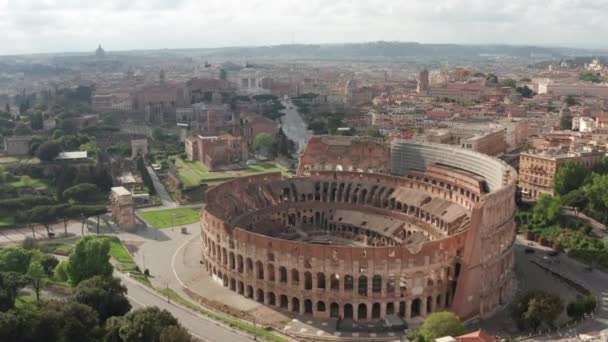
(96, 310)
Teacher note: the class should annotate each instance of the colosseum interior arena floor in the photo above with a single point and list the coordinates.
(433, 234)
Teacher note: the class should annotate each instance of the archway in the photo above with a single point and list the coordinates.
(429, 304)
(295, 277)
(249, 291)
(390, 308)
(282, 274)
(272, 299)
(295, 305)
(376, 311)
(348, 311)
(362, 285)
(260, 296)
(415, 309)
(321, 306)
(284, 302)
(308, 306)
(362, 311)
(307, 281)
(334, 310)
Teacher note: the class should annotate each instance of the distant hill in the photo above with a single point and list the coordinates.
(394, 50)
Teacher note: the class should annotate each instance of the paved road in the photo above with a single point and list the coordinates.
(594, 280)
(165, 198)
(198, 325)
(294, 127)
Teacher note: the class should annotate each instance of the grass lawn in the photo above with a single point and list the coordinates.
(57, 248)
(7, 220)
(171, 217)
(24, 301)
(196, 173)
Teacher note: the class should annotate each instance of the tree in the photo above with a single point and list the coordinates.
(570, 176)
(47, 215)
(104, 294)
(142, 325)
(491, 79)
(37, 277)
(36, 121)
(175, 333)
(90, 257)
(508, 82)
(581, 306)
(10, 284)
(597, 191)
(546, 211)
(570, 101)
(263, 143)
(82, 192)
(439, 324)
(90, 147)
(576, 199)
(22, 129)
(525, 91)
(67, 321)
(536, 308)
(15, 259)
(565, 119)
(48, 151)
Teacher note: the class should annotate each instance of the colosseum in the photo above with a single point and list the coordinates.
(367, 230)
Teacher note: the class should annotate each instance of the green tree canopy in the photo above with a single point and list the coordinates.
(536, 308)
(90, 257)
(508, 82)
(10, 284)
(106, 295)
(22, 129)
(15, 259)
(263, 143)
(48, 151)
(597, 191)
(83, 192)
(570, 176)
(576, 199)
(439, 324)
(546, 210)
(142, 325)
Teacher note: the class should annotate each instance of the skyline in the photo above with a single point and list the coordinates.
(51, 26)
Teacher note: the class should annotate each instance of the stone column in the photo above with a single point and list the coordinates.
(408, 309)
(423, 306)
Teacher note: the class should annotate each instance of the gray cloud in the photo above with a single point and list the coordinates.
(76, 25)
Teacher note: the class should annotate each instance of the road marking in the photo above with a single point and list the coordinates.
(173, 260)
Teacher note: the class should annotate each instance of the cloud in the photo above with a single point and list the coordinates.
(75, 25)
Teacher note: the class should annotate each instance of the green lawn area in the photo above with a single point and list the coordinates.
(171, 217)
(24, 301)
(57, 248)
(7, 220)
(119, 253)
(195, 173)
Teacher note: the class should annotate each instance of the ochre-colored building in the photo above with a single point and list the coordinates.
(537, 171)
(432, 231)
(217, 151)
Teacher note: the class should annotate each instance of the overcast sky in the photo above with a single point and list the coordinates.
(30, 26)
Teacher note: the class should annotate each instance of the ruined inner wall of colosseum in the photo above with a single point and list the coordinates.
(341, 153)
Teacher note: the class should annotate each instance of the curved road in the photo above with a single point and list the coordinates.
(199, 326)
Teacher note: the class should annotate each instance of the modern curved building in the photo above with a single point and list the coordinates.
(435, 232)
